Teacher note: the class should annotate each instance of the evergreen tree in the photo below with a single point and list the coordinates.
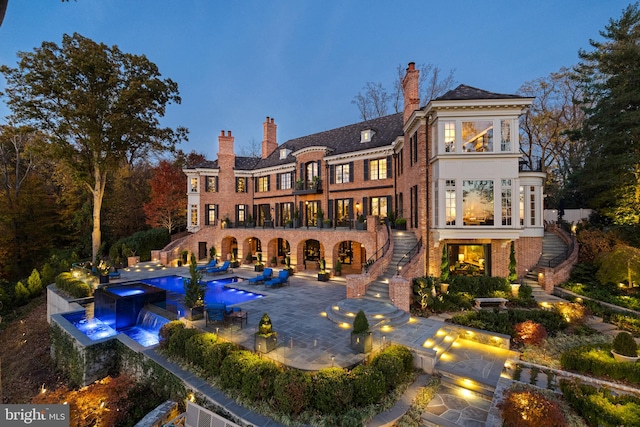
(610, 76)
(34, 283)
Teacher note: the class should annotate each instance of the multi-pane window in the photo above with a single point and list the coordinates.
(506, 201)
(286, 212)
(343, 212)
(449, 137)
(532, 205)
(241, 185)
(241, 213)
(521, 205)
(263, 184)
(211, 184)
(450, 202)
(212, 214)
(285, 181)
(436, 204)
(505, 134)
(311, 171)
(193, 183)
(194, 214)
(377, 169)
(413, 148)
(477, 136)
(342, 173)
(477, 202)
(379, 206)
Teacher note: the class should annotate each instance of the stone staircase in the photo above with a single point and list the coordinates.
(403, 242)
(552, 247)
(375, 302)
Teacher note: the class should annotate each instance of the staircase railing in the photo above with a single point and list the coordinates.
(379, 253)
(406, 258)
(558, 259)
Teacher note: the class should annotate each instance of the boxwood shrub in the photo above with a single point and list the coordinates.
(234, 367)
(258, 380)
(177, 342)
(292, 391)
(198, 346)
(391, 367)
(503, 321)
(479, 286)
(74, 287)
(368, 385)
(597, 360)
(332, 391)
(167, 330)
(215, 355)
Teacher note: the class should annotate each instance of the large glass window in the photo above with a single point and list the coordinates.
(521, 205)
(532, 205)
(378, 169)
(450, 137)
(312, 213)
(506, 201)
(212, 184)
(345, 252)
(286, 212)
(342, 174)
(505, 131)
(241, 213)
(450, 202)
(212, 214)
(241, 185)
(379, 206)
(477, 136)
(194, 214)
(285, 181)
(193, 183)
(469, 260)
(477, 201)
(311, 170)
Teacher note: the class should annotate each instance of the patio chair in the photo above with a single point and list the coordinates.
(281, 280)
(222, 269)
(267, 274)
(216, 312)
(211, 264)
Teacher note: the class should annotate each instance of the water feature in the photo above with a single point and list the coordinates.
(119, 306)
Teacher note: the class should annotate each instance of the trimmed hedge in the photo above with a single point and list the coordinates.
(197, 347)
(503, 321)
(215, 355)
(479, 286)
(368, 385)
(234, 367)
(332, 391)
(600, 407)
(598, 361)
(74, 287)
(259, 378)
(292, 391)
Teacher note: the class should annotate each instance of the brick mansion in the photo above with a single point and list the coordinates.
(450, 172)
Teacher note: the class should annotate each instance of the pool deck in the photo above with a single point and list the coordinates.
(308, 340)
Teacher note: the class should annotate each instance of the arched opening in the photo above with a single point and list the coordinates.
(229, 250)
(312, 251)
(250, 248)
(351, 255)
(278, 248)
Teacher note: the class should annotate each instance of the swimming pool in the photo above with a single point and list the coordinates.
(217, 290)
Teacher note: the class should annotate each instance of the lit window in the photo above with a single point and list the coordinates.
(194, 184)
(506, 202)
(194, 214)
(521, 205)
(366, 135)
(379, 206)
(450, 202)
(450, 137)
(263, 184)
(477, 137)
(378, 169)
(285, 181)
(212, 184)
(532, 205)
(342, 174)
(477, 202)
(241, 185)
(505, 131)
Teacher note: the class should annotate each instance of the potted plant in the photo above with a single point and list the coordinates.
(337, 268)
(625, 348)
(103, 271)
(212, 252)
(392, 219)
(226, 223)
(259, 266)
(513, 274)
(132, 259)
(300, 184)
(287, 263)
(320, 219)
(296, 218)
(361, 337)
(266, 339)
(274, 261)
(194, 292)
(401, 223)
(250, 223)
(323, 274)
(184, 255)
(326, 223)
(248, 259)
(288, 224)
(360, 224)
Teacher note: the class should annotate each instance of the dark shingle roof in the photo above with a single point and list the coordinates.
(464, 93)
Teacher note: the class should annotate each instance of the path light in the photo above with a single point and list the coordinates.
(333, 358)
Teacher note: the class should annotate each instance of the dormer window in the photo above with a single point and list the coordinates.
(366, 135)
(284, 152)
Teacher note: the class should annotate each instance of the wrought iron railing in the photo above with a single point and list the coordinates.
(379, 253)
(559, 259)
(406, 258)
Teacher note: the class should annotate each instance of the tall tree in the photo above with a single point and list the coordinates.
(610, 77)
(101, 107)
(373, 102)
(168, 205)
(546, 129)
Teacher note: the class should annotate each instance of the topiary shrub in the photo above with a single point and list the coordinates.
(403, 354)
(198, 346)
(528, 408)
(360, 323)
(391, 367)
(625, 345)
(176, 343)
(332, 391)
(525, 292)
(259, 378)
(368, 385)
(529, 332)
(292, 391)
(167, 330)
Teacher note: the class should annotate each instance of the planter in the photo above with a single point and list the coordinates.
(104, 279)
(362, 343)
(258, 267)
(264, 344)
(194, 313)
(360, 226)
(133, 260)
(234, 264)
(401, 226)
(324, 277)
(268, 223)
(337, 272)
(515, 289)
(290, 271)
(622, 358)
(444, 288)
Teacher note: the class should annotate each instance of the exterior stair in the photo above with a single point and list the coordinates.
(552, 247)
(403, 242)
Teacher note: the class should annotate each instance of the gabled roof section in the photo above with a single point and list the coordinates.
(466, 93)
(341, 140)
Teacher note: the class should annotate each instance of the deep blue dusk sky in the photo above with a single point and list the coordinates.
(302, 62)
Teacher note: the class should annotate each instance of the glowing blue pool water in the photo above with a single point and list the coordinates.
(217, 290)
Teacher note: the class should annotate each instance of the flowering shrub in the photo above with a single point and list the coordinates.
(528, 408)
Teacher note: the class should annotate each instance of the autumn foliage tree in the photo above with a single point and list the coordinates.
(168, 205)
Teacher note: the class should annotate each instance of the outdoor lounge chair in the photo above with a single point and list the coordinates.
(281, 280)
(267, 274)
(222, 269)
(211, 264)
(216, 312)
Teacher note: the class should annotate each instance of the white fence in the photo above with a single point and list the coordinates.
(572, 216)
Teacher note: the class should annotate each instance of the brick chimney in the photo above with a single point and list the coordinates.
(269, 141)
(226, 155)
(410, 90)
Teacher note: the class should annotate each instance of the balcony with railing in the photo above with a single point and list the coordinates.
(308, 187)
(530, 164)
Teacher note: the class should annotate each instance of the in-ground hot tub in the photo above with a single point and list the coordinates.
(119, 305)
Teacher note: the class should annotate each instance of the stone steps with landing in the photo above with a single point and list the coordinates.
(378, 312)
